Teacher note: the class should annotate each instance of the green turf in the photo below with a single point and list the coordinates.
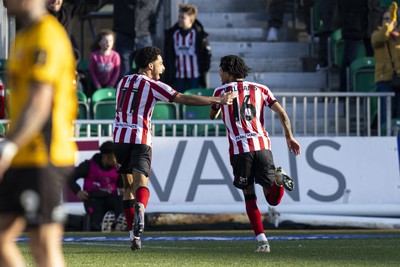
(319, 252)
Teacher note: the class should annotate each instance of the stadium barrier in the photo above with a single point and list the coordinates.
(311, 114)
(338, 179)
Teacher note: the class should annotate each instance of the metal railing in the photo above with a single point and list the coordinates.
(311, 114)
(336, 114)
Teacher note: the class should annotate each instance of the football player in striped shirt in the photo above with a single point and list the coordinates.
(249, 144)
(136, 96)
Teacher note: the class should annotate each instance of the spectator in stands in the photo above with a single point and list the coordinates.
(67, 12)
(327, 12)
(105, 63)
(249, 144)
(137, 94)
(385, 41)
(187, 51)
(134, 23)
(101, 188)
(276, 11)
(358, 19)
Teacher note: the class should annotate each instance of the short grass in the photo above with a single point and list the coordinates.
(381, 248)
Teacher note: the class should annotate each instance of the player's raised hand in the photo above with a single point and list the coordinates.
(8, 150)
(393, 11)
(293, 145)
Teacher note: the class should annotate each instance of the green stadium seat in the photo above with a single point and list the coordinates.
(362, 74)
(337, 45)
(83, 106)
(2, 130)
(394, 126)
(83, 65)
(103, 105)
(83, 111)
(199, 91)
(386, 3)
(317, 23)
(201, 113)
(362, 79)
(165, 111)
(103, 94)
(3, 63)
(84, 75)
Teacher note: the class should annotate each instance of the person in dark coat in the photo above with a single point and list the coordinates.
(358, 19)
(187, 52)
(133, 23)
(68, 11)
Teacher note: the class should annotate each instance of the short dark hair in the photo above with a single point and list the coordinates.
(107, 147)
(146, 55)
(235, 66)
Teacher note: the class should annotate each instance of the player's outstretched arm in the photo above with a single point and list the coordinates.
(197, 100)
(30, 122)
(292, 144)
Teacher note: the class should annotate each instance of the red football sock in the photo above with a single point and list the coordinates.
(129, 212)
(142, 195)
(275, 194)
(254, 216)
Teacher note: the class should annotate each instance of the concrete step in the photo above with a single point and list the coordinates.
(259, 49)
(208, 6)
(281, 81)
(233, 20)
(267, 64)
(237, 34)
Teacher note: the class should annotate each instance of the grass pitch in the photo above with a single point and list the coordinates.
(233, 248)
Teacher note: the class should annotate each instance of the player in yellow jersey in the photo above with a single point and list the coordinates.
(38, 153)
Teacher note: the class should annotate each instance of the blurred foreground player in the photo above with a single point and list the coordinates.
(37, 154)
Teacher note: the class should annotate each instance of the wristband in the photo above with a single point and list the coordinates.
(8, 149)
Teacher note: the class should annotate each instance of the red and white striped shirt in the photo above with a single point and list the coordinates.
(136, 96)
(186, 61)
(244, 119)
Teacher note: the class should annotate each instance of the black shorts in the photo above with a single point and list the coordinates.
(257, 166)
(133, 157)
(34, 193)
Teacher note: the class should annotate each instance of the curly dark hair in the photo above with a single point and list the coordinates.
(146, 55)
(235, 66)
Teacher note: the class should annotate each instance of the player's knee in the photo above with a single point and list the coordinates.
(273, 201)
(128, 189)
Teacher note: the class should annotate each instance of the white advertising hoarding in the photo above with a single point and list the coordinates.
(332, 173)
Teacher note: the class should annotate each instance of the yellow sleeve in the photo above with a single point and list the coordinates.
(49, 56)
